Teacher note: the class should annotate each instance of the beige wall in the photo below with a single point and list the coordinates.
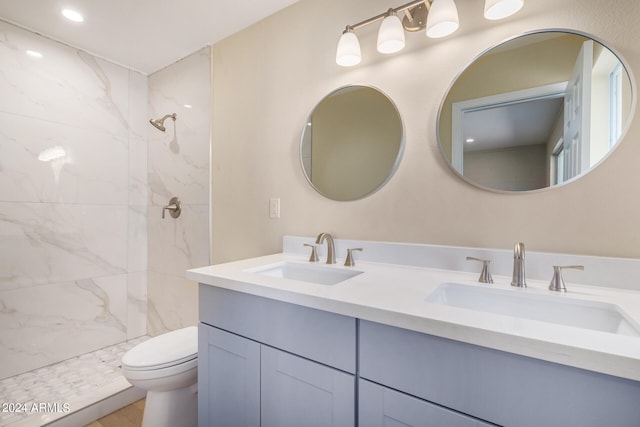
(267, 79)
(514, 168)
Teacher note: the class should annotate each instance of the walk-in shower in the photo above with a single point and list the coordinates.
(159, 123)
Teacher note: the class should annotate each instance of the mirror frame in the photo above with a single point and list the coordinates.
(625, 128)
(396, 162)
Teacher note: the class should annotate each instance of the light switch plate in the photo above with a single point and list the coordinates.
(274, 207)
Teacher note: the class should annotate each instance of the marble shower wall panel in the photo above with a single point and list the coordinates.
(73, 202)
(65, 86)
(46, 324)
(138, 126)
(137, 239)
(136, 304)
(137, 258)
(173, 303)
(45, 161)
(179, 157)
(178, 245)
(45, 243)
(178, 166)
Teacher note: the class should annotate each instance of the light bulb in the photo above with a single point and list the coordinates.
(498, 9)
(348, 53)
(442, 19)
(390, 34)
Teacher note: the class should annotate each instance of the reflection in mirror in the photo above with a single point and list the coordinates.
(352, 143)
(537, 111)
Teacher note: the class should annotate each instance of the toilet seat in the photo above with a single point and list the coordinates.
(188, 368)
(164, 351)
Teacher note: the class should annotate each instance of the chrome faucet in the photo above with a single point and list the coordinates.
(519, 278)
(557, 282)
(331, 255)
(485, 274)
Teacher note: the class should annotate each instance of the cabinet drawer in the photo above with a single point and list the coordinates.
(383, 407)
(492, 385)
(318, 335)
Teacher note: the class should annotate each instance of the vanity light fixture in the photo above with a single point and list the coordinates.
(442, 19)
(438, 17)
(390, 34)
(348, 53)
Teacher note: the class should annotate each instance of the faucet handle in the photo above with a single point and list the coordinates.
(314, 252)
(485, 274)
(557, 282)
(349, 262)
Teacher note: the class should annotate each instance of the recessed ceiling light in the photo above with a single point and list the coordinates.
(72, 15)
(470, 140)
(188, 106)
(33, 54)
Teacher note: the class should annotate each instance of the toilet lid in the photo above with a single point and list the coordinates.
(164, 350)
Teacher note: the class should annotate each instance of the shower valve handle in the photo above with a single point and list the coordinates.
(174, 207)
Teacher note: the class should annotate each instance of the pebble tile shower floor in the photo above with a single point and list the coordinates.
(53, 387)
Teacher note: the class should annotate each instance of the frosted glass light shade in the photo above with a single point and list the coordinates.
(390, 35)
(442, 19)
(498, 9)
(348, 53)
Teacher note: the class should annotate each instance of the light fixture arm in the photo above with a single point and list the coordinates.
(395, 10)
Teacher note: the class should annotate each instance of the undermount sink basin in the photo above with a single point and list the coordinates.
(558, 309)
(319, 274)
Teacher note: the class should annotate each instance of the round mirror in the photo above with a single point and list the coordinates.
(536, 111)
(352, 143)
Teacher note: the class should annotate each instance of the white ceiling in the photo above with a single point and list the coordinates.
(145, 35)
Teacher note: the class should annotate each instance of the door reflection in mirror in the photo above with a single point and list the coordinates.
(537, 111)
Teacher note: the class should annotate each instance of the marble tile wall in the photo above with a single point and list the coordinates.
(73, 202)
(178, 166)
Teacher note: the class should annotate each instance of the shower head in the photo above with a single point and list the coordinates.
(159, 123)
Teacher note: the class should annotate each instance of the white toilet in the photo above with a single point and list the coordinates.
(167, 367)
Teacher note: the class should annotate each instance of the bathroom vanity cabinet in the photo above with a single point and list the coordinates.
(495, 386)
(273, 364)
(264, 362)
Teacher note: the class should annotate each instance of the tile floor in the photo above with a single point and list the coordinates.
(56, 385)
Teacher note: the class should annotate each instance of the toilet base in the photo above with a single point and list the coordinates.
(172, 408)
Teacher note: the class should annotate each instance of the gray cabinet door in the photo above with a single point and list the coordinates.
(297, 392)
(228, 379)
(383, 407)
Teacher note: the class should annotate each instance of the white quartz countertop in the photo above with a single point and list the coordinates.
(397, 295)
